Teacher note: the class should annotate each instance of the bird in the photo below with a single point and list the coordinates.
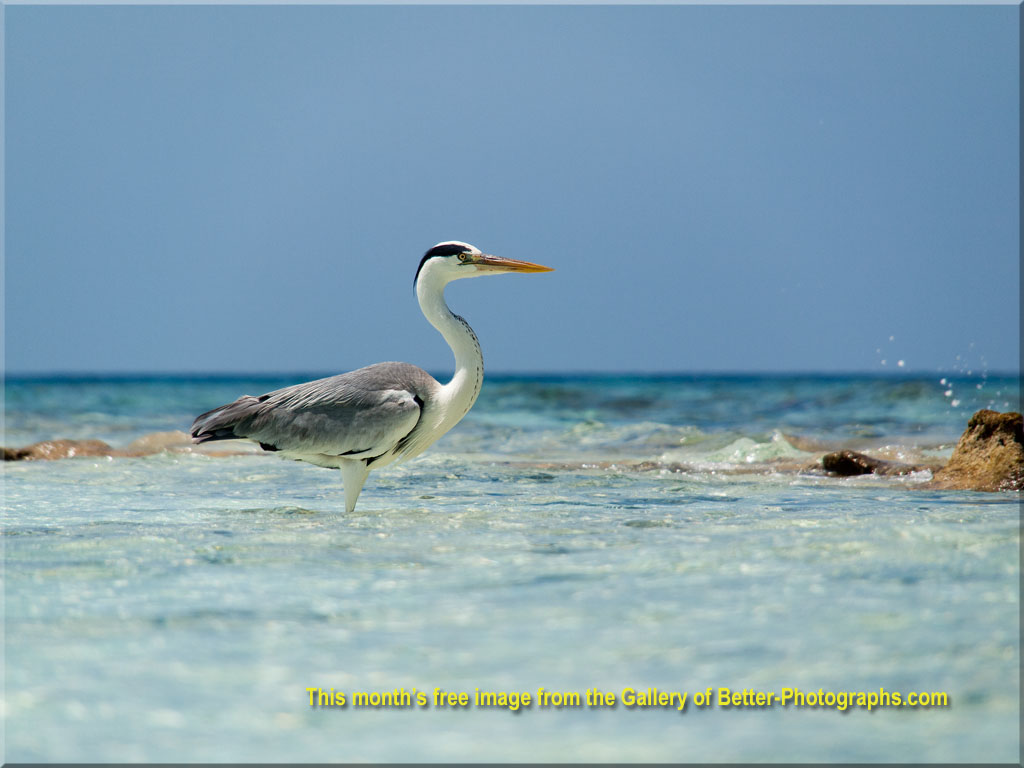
(373, 416)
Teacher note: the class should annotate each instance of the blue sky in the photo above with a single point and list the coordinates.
(725, 188)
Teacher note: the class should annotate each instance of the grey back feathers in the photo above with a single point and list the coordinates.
(360, 415)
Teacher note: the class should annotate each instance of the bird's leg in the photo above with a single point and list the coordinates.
(353, 475)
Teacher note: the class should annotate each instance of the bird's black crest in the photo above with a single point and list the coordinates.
(444, 249)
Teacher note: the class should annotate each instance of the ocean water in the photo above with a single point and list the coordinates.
(572, 533)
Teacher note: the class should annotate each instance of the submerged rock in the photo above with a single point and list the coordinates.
(58, 449)
(807, 444)
(155, 442)
(846, 463)
(988, 457)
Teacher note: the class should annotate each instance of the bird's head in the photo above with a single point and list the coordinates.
(452, 260)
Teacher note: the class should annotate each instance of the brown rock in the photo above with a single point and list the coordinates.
(988, 457)
(61, 449)
(847, 463)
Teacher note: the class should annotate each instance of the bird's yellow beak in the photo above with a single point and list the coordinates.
(487, 263)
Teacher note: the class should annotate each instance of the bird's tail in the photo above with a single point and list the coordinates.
(220, 423)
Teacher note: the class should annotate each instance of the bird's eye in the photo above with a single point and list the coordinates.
(463, 257)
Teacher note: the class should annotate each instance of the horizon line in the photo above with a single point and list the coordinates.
(526, 373)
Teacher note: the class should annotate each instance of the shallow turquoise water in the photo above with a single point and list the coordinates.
(571, 533)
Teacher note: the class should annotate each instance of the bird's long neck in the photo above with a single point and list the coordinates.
(461, 392)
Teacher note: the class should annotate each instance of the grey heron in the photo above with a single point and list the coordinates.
(369, 418)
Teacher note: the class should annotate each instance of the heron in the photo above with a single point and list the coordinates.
(371, 417)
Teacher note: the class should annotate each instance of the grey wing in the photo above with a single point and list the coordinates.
(361, 414)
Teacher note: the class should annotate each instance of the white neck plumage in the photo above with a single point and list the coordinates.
(461, 392)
